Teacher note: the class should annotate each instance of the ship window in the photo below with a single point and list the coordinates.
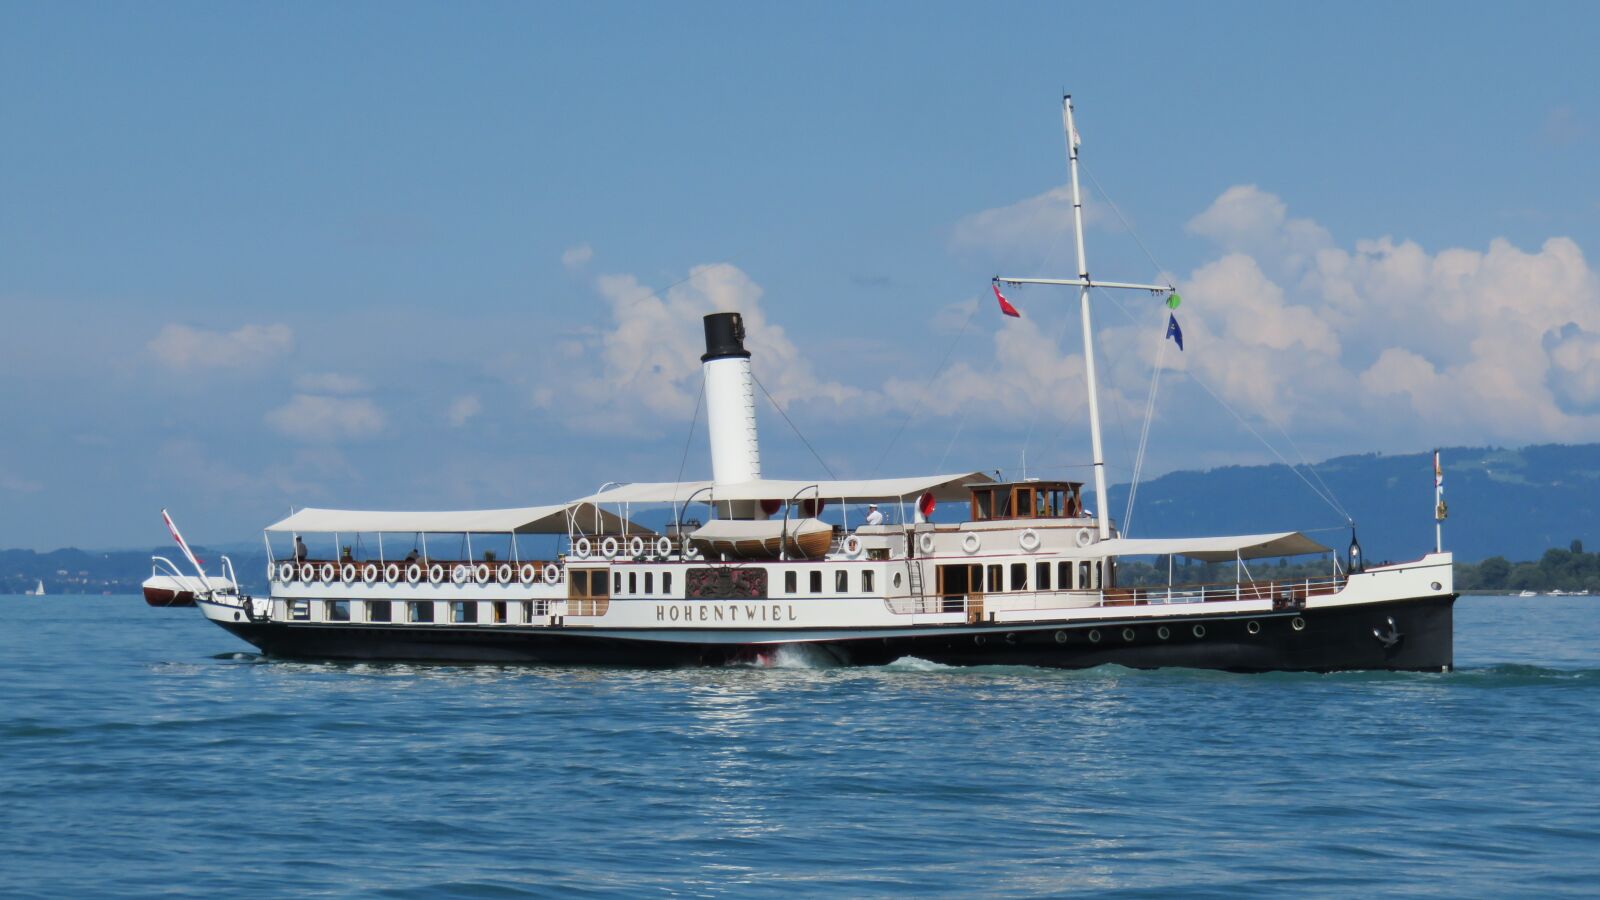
(866, 581)
(527, 611)
(1064, 576)
(1097, 580)
(1083, 575)
(421, 610)
(633, 582)
(791, 582)
(816, 582)
(995, 574)
(598, 583)
(300, 610)
(1024, 503)
(337, 610)
(616, 589)
(1041, 576)
(378, 611)
(841, 581)
(465, 611)
(499, 608)
(649, 582)
(980, 504)
(1019, 576)
(666, 583)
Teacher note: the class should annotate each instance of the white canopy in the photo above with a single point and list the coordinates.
(1215, 549)
(525, 520)
(874, 490)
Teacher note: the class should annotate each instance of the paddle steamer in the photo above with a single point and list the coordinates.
(1027, 574)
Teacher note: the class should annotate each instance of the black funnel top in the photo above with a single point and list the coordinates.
(724, 337)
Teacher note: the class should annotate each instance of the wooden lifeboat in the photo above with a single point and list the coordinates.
(165, 590)
(763, 538)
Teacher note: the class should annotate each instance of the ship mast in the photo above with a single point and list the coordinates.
(1083, 282)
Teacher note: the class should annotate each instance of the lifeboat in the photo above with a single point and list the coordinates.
(171, 590)
(763, 538)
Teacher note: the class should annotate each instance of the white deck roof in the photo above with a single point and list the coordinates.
(523, 520)
(1215, 549)
(873, 490)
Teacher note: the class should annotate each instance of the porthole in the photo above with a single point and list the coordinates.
(1127, 634)
(1436, 586)
(1298, 624)
(1011, 637)
(1253, 628)
(978, 639)
(236, 617)
(1163, 633)
(897, 579)
(1061, 637)
(1199, 631)
(1094, 636)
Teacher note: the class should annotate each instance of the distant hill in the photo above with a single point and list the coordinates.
(1511, 503)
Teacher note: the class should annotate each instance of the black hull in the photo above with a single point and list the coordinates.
(1398, 635)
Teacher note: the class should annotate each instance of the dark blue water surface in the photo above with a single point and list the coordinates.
(145, 751)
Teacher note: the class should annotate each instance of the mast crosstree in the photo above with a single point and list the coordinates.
(1084, 283)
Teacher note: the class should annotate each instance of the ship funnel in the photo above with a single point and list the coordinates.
(730, 401)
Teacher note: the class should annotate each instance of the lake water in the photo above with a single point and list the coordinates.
(146, 751)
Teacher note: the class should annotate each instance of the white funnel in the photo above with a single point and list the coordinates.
(730, 401)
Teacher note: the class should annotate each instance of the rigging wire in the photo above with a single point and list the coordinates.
(917, 407)
(699, 400)
(796, 429)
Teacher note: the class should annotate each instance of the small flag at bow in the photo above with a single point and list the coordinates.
(1173, 331)
(1005, 305)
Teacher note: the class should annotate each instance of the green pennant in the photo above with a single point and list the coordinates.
(1173, 300)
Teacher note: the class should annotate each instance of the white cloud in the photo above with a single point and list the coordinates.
(182, 347)
(577, 257)
(1028, 231)
(330, 383)
(19, 485)
(647, 359)
(320, 419)
(462, 409)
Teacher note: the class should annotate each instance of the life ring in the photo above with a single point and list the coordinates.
(347, 573)
(413, 573)
(435, 573)
(925, 542)
(663, 546)
(551, 573)
(581, 548)
(503, 573)
(482, 573)
(528, 573)
(460, 573)
(328, 572)
(286, 572)
(610, 547)
(1029, 540)
(391, 573)
(636, 546)
(369, 572)
(1085, 537)
(308, 572)
(690, 551)
(971, 543)
(852, 546)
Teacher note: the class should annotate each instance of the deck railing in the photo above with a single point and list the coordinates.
(1285, 593)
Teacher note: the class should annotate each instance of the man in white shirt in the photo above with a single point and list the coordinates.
(874, 517)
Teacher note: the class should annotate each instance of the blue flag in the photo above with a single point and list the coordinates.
(1173, 331)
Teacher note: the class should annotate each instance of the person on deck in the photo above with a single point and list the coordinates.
(412, 556)
(299, 549)
(874, 517)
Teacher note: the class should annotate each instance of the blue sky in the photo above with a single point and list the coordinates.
(397, 255)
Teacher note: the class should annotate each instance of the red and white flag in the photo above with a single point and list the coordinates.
(1005, 305)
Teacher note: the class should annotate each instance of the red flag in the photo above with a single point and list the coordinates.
(1005, 305)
